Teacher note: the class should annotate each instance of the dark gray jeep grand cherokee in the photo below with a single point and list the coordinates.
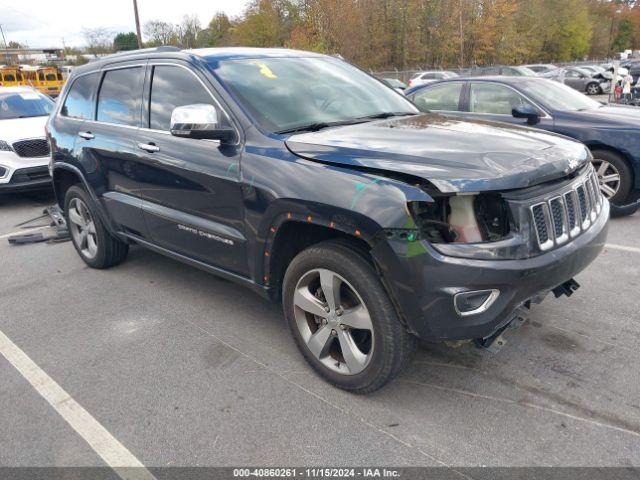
(307, 180)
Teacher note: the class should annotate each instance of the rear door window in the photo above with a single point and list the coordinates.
(80, 102)
(120, 96)
(443, 97)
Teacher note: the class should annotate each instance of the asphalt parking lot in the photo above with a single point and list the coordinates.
(183, 368)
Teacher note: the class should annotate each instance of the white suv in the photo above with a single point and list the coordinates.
(24, 151)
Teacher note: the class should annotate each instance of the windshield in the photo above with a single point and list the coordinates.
(560, 97)
(287, 93)
(24, 104)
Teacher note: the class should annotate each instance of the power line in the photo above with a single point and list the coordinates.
(28, 15)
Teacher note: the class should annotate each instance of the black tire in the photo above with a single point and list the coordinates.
(624, 211)
(593, 89)
(624, 170)
(110, 250)
(393, 344)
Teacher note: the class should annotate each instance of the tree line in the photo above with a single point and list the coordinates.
(406, 34)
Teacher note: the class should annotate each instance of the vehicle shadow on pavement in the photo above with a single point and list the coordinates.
(12, 200)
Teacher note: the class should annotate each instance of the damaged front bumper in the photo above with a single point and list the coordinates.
(424, 282)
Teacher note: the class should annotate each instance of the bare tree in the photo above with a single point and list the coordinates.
(160, 33)
(188, 31)
(98, 40)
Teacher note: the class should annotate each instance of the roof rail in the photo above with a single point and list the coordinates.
(168, 48)
(161, 48)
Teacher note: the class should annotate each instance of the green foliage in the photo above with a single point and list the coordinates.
(125, 41)
(405, 34)
(624, 38)
(218, 31)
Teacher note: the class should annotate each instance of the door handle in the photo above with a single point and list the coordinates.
(86, 135)
(148, 147)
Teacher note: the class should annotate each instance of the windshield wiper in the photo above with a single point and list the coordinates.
(375, 116)
(314, 127)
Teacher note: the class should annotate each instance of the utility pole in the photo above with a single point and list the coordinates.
(6, 47)
(135, 11)
(461, 60)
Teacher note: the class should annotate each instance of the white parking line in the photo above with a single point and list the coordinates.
(624, 248)
(103, 443)
(22, 232)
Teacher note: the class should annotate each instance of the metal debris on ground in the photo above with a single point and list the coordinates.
(57, 223)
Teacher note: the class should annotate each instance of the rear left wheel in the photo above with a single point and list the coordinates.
(93, 242)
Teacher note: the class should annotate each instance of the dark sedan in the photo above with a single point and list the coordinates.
(612, 133)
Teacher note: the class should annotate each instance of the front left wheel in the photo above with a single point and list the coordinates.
(93, 242)
(342, 319)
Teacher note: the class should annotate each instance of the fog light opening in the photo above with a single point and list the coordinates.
(474, 302)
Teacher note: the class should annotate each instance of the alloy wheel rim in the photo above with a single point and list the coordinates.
(592, 89)
(333, 321)
(608, 177)
(83, 228)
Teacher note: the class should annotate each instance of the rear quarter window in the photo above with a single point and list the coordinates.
(80, 100)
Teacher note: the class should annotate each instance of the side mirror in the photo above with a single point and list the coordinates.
(528, 112)
(200, 121)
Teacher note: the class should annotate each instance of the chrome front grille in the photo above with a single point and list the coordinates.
(568, 213)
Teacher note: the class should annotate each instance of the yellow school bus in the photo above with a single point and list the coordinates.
(11, 76)
(47, 80)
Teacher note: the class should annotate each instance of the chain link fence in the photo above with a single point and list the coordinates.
(406, 75)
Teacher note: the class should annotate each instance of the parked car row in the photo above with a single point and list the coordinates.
(589, 79)
(317, 186)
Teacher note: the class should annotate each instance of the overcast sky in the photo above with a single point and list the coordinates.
(44, 23)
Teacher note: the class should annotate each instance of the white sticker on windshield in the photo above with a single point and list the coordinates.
(29, 96)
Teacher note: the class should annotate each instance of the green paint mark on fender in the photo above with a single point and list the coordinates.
(361, 188)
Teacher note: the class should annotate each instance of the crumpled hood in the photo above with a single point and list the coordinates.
(14, 129)
(454, 155)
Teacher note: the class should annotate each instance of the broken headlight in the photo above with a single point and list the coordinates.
(470, 226)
